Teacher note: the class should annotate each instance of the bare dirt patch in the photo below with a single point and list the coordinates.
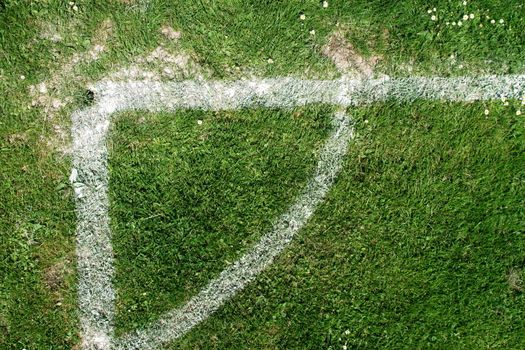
(17, 139)
(170, 33)
(53, 94)
(162, 63)
(49, 31)
(515, 280)
(56, 274)
(347, 60)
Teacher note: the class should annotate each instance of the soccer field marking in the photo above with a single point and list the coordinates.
(290, 92)
(90, 177)
(235, 277)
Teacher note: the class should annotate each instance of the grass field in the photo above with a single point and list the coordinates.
(419, 244)
(226, 191)
(413, 248)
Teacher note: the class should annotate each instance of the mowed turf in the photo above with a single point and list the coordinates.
(233, 39)
(190, 191)
(418, 245)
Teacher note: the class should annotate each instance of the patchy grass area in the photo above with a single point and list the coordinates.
(37, 290)
(419, 245)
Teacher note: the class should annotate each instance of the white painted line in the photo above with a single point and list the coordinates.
(291, 92)
(90, 178)
(235, 277)
(94, 252)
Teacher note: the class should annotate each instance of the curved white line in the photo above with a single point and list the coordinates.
(235, 277)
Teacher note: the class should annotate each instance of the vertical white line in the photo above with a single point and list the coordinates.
(94, 251)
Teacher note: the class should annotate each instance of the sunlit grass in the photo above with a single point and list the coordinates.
(301, 303)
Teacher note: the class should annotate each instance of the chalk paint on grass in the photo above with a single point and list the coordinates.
(235, 277)
(90, 178)
(291, 92)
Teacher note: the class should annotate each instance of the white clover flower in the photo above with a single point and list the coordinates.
(325, 4)
(465, 17)
(347, 332)
(501, 21)
(199, 122)
(434, 9)
(464, 3)
(448, 23)
(434, 18)
(75, 8)
(312, 32)
(22, 77)
(518, 112)
(460, 23)
(481, 25)
(486, 112)
(454, 23)
(302, 17)
(492, 21)
(472, 16)
(270, 61)
(429, 11)
(506, 104)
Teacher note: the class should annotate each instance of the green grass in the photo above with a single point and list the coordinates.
(412, 248)
(186, 198)
(390, 300)
(37, 273)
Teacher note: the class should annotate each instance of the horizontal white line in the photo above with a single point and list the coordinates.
(290, 92)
